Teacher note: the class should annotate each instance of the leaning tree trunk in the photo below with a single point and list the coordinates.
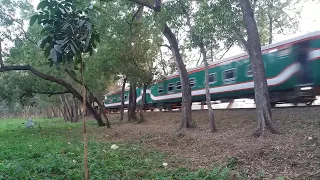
(253, 46)
(122, 99)
(94, 99)
(58, 81)
(208, 96)
(143, 99)
(186, 121)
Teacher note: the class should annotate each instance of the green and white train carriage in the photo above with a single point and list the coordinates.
(292, 71)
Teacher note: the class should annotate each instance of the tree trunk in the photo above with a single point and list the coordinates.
(64, 110)
(208, 96)
(76, 110)
(132, 103)
(122, 99)
(186, 121)
(67, 108)
(94, 99)
(253, 47)
(54, 112)
(143, 99)
(58, 81)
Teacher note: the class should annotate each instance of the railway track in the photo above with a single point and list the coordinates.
(234, 109)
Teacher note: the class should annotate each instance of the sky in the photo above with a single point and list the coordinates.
(309, 22)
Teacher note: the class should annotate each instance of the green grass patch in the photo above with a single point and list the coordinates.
(56, 152)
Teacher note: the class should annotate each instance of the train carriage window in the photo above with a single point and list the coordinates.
(160, 89)
(170, 88)
(212, 78)
(192, 82)
(178, 85)
(125, 97)
(229, 75)
(249, 70)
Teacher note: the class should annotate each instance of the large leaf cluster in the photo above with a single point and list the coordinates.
(67, 31)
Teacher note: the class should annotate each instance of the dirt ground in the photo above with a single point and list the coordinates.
(295, 154)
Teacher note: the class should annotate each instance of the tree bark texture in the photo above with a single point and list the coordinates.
(67, 108)
(143, 99)
(186, 121)
(132, 103)
(122, 99)
(260, 83)
(63, 109)
(58, 81)
(208, 96)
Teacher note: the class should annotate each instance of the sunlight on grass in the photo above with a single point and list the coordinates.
(57, 153)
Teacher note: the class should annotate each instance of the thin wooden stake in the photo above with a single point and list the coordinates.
(85, 139)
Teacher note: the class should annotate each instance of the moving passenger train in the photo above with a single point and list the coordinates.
(292, 70)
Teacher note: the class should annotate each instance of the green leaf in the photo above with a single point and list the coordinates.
(57, 48)
(97, 36)
(81, 22)
(33, 19)
(42, 4)
(54, 55)
(89, 26)
(42, 42)
(72, 48)
(86, 46)
(47, 51)
(62, 10)
(75, 45)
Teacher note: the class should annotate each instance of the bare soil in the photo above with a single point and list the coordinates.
(295, 154)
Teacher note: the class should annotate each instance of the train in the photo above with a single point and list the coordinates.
(292, 70)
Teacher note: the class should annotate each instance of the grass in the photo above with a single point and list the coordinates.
(55, 151)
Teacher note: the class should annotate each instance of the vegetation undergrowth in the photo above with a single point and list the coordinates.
(56, 152)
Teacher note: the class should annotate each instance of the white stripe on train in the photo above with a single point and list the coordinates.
(280, 78)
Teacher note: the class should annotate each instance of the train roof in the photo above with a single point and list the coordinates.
(269, 46)
(263, 48)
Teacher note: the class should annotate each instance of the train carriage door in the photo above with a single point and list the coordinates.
(304, 75)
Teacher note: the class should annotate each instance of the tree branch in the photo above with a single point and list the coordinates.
(144, 4)
(58, 81)
(166, 45)
(241, 38)
(50, 93)
(226, 51)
